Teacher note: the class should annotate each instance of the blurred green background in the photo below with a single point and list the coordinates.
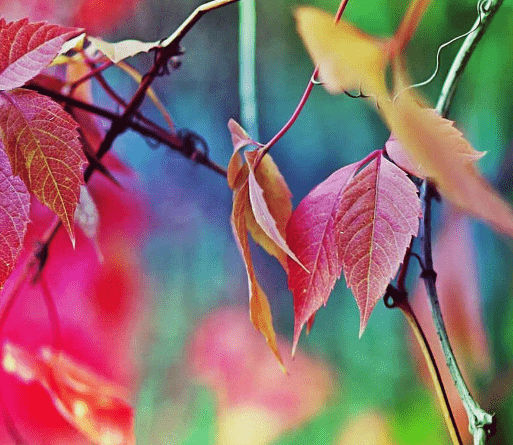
(192, 252)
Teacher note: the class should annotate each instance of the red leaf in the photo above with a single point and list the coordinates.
(14, 216)
(93, 405)
(379, 214)
(27, 48)
(42, 144)
(312, 234)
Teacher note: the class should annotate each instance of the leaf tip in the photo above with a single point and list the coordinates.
(297, 333)
(72, 237)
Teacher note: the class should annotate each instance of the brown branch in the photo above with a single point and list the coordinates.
(159, 134)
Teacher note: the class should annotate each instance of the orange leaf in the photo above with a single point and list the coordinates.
(347, 57)
(94, 406)
(407, 27)
(240, 139)
(259, 308)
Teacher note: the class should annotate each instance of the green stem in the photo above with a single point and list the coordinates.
(480, 422)
(247, 76)
(487, 10)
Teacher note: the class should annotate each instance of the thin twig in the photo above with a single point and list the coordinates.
(199, 12)
(157, 133)
(407, 311)
(170, 48)
(480, 422)
(94, 71)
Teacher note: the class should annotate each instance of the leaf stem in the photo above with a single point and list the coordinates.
(94, 71)
(302, 101)
(480, 422)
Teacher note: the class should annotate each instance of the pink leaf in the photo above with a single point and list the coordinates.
(14, 216)
(228, 355)
(94, 406)
(311, 233)
(263, 216)
(41, 141)
(27, 48)
(402, 158)
(379, 214)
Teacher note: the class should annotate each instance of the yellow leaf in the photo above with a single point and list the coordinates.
(348, 58)
(446, 158)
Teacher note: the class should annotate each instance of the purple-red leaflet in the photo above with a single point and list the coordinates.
(379, 213)
(42, 143)
(27, 48)
(311, 234)
(14, 216)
